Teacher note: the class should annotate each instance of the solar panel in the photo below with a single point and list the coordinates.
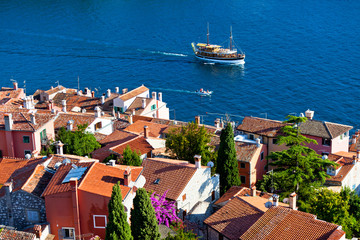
(74, 173)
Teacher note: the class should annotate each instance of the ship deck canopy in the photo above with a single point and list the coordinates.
(207, 46)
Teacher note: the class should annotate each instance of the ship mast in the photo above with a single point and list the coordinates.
(207, 34)
(231, 38)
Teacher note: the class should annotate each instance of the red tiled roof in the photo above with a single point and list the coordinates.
(138, 144)
(55, 158)
(245, 151)
(137, 105)
(154, 129)
(261, 126)
(346, 165)
(54, 89)
(174, 176)
(240, 191)
(78, 118)
(120, 124)
(38, 181)
(133, 93)
(116, 136)
(11, 93)
(234, 219)
(10, 234)
(22, 120)
(74, 100)
(285, 223)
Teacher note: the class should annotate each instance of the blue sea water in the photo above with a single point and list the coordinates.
(299, 54)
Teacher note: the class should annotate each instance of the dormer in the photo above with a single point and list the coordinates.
(333, 171)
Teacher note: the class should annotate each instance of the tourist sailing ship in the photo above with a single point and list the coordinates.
(218, 54)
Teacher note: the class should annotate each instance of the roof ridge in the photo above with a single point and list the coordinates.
(173, 163)
(86, 174)
(327, 129)
(28, 122)
(135, 137)
(32, 174)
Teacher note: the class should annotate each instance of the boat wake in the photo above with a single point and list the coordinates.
(174, 90)
(164, 53)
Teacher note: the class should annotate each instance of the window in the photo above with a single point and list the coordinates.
(99, 221)
(1, 155)
(68, 233)
(184, 197)
(27, 152)
(275, 141)
(242, 165)
(243, 179)
(26, 139)
(98, 126)
(212, 195)
(153, 107)
(43, 134)
(33, 215)
(262, 156)
(184, 214)
(326, 142)
(251, 136)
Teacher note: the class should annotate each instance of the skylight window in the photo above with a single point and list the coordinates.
(157, 181)
(74, 173)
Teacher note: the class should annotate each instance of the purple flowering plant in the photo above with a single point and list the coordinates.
(165, 211)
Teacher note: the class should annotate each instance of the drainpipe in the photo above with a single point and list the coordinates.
(249, 174)
(75, 205)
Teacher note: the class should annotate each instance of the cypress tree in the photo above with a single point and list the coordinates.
(144, 225)
(227, 165)
(117, 227)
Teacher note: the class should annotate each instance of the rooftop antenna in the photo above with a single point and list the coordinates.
(231, 38)
(25, 87)
(58, 83)
(208, 34)
(78, 83)
(264, 114)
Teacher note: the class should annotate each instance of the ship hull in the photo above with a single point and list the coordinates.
(221, 61)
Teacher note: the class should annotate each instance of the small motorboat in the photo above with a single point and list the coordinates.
(202, 92)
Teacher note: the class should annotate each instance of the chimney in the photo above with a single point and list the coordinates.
(92, 94)
(118, 115)
(160, 96)
(112, 162)
(146, 131)
(131, 119)
(124, 90)
(133, 111)
(70, 125)
(15, 85)
(309, 114)
(217, 123)
(8, 187)
(117, 89)
(63, 103)
(143, 101)
(353, 139)
(127, 176)
(258, 142)
(50, 105)
(154, 95)
(108, 93)
(253, 191)
(97, 111)
(87, 91)
(102, 99)
(37, 230)
(8, 121)
(292, 201)
(28, 102)
(59, 147)
(197, 120)
(32, 117)
(275, 198)
(197, 159)
(358, 155)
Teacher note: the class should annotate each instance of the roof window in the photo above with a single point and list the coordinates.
(157, 181)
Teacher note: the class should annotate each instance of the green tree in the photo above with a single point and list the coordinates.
(227, 165)
(78, 142)
(131, 158)
(117, 227)
(190, 140)
(298, 164)
(144, 225)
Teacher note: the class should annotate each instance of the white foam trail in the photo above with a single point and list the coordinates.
(165, 53)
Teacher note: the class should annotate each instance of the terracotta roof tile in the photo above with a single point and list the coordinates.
(155, 130)
(116, 136)
(337, 129)
(55, 158)
(174, 175)
(260, 126)
(120, 124)
(133, 93)
(78, 118)
(55, 89)
(285, 223)
(245, 151)
(139, 144)
(74, 100)
(323, 129)
(38, 181)
(22, 120)
(11, 93)
(10, 234)
(346, 165)
(137, 105)
(234, 219)
(240, 191)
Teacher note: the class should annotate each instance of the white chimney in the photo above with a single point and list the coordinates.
(108, 93)
(112, 162)
(160, 96)
(154, 95)
(59, 147)
(70, 125)
(292, 201)
(133, 111)
(87, 92)
(131, 119)
(29, 102)
(97, 111)
(92, 94)
(217, 123)
(275, 198)
(102, 99)
(197, 161)
(117, 89)
(253, 191)
(146, 131)
(15, 85)
(309, 114)
(8, 121)
(32, 117)
(258, 142)
(143, 101)
(197, 120)
(124, 90)
(63, 103)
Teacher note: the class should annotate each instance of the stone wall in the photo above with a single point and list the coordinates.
(3, 212)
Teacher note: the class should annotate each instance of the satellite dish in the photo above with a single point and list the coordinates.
(66, 161)
(286, 200)
(27, 156)
(268, 204)
(210, 164)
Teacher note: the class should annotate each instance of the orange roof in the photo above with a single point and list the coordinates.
(174, 175)
(240, 191)
(11, 93)
(55, 158)
(285, 223)
(245, 151)
(116, 136)
(54, 89)
(74, 100)
(154, 129)
(234, 218)
(22, 120)
(78, 118)
(261, 126)
(133, 93)
(139, 144)
(346, 165)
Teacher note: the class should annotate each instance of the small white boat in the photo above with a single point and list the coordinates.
(201, 92)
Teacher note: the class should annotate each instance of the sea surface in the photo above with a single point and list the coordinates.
(299, 54)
